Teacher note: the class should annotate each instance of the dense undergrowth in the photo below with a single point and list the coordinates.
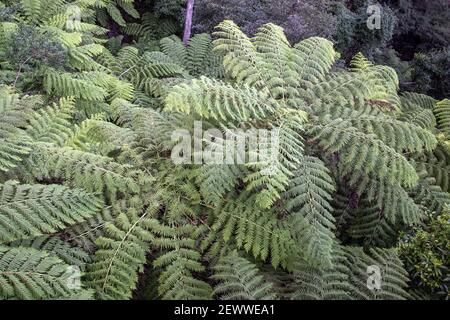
(88, 182)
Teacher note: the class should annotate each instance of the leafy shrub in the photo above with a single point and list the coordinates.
(29, 46)
(300, 19)
(428, 20)
(352, 34)
(426, 255)
(430, 72)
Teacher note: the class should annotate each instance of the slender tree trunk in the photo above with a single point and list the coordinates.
(188, 21)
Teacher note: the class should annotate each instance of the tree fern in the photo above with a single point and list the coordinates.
(87, 181)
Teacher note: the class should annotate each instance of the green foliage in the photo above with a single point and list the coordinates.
(64, 84)
(239, 279)
(426, 255)
(152, 27)
(430, 71)
(442, 113)
(52, 124)
(300, 19)
(120, 255)
(348, 278)
(71, 255)
(87, 179)
(258, 232)
(198, 57)
(179, 264)
(353, 35)
(30, 275)
(29, 211)
(14, 143)
(332, 283)
(220, 101)
(308, 200)
(93, 172)
(30, 47)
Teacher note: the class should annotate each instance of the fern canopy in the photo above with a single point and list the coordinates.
(320, 169)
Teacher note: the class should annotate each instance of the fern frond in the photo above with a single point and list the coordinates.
(106, 137)
(81, 57)
(14, 143)
(411, 100)
(314, 58)
(152, 27)
(52, 124)
(86, 233)
(322, 282)
(279, 154)
(437, 164)
(115, 14)
(213, 99)
(201, 59)
(179, 265)
(198, 57)
(356, 89)
(394, 277)
(241, 60)
(308, 200)
(348, 278)
(65, 85)
(370, 226)
(360, 63)
(373, 157)
(34, 275)
(442, 113)
(257, 231)
(139, 69)
(430, 195)
(423, 118)
(398, 135)
(92, 172)
(32, 9)
(32, 210)
(121, 255)
(216, 180)
(240, 279)
(73, 256)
